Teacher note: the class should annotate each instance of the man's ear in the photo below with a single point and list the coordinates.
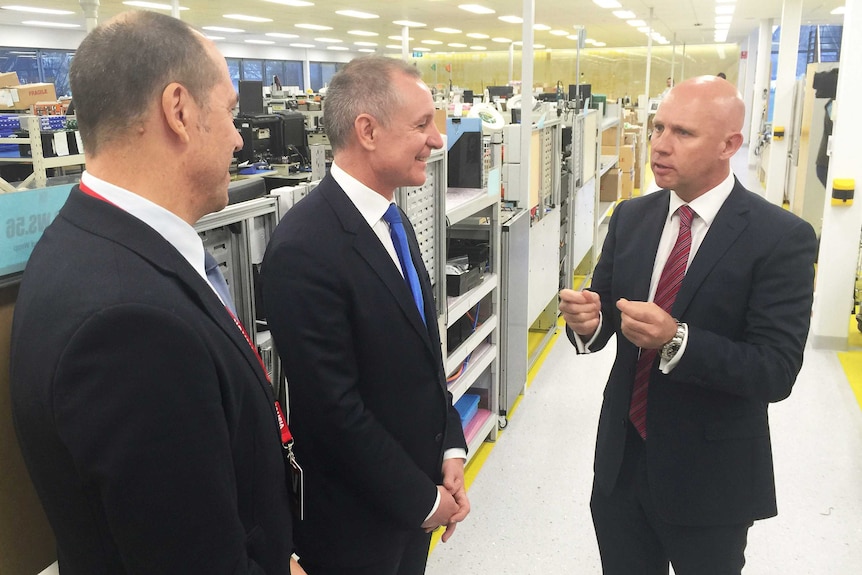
(176, 110)
(732, 143)
(365, 128)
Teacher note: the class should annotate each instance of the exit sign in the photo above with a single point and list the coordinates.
(417, 54)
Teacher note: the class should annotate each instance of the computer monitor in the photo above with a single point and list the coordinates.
(500, 92)
(585, 91)
(294, 140)
(250, 97)
(547, 97)
(468, 97)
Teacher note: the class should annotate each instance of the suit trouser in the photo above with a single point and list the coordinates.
(632, 537)
(409, 559)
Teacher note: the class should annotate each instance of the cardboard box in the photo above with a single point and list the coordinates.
(609, 186)
(22, 96)
(626, 155)
(627, 184)
(609, 137)
(9, 79)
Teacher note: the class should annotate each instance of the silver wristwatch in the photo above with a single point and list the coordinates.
(670, 349)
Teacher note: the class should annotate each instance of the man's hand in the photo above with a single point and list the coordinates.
(295, 569)
(645, 324)
(447, 508)
(581, 310)
(453, 481)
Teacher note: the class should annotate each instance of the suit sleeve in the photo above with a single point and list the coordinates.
(137, 402)
(601, 284)
(763, 362)
(309, 313)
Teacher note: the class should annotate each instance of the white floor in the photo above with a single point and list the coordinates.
(530, 500)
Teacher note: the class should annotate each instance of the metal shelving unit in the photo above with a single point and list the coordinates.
(39, 178)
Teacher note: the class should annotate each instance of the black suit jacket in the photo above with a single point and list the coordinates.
(368, 400)
(746, 298)
(144, 417)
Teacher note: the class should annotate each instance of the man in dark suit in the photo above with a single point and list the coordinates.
(708, 289)
(381, 445)
(144, 415)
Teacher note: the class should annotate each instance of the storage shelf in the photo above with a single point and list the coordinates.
(477, 430)
(454, 359)
(608, 162)
(605, 209)
(462, 203)
(459, 305)
(481, 358)
(609, 123)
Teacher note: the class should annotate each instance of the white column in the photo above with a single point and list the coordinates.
(405, 43)
(744, 82)
(839, 240)
(788, 52)
(645, 111)
(529, 15)
(91, 13)
(175, 9)
(512, 60)
(306, 71)
(761, 84)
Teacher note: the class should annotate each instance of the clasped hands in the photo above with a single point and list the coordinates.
(454, 505)
(643, 323)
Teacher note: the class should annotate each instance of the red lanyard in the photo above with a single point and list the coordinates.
(286, 437)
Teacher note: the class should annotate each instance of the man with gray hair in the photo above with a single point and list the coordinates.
(349, 303)
(144, 415)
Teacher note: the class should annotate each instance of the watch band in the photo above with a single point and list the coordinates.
(669, 350)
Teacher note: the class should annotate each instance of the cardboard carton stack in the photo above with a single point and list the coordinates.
(17, 96)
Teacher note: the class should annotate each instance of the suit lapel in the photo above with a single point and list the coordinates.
(730, 221)
(114, 224)
(369, 248)
(647, 233)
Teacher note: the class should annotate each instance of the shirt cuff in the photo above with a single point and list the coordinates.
(454, 453)
(584, 347)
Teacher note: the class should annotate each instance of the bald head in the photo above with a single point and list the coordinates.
(696, 130)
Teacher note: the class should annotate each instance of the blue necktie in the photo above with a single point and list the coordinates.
(399, 238)
(216, 279)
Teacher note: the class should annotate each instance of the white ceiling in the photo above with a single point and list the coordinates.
(685, 21)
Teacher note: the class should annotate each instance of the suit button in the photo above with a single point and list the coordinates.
(624, 422)
(438, 438)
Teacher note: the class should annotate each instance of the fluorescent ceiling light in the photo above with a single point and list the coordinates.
(457, 45)
(399, 38)
(607, 4)
(536, 46)
(838, 11)
(367, 50)
(152, 5)
(365, 43)
(599, 44)
(502, 40)
(299, 45)
(476, 9)
(214, 38)
(478, 36)
(635, 23)
(725, 1)
(432, 42)
(34, 10)
(541, 27)
(296, 3)
(362, 33)
(447, 30)
(559, 32)
(421, 49)
(258, 41)
(512, 19)
(478, 48)
(337, 48)
(50, 24)
(281, 35)
(645, 29)
(357, 14)
(328, 40)
(409, 23)
(722, 26)
(725, 9)
(624, 14)
(246, 18)
(313, 27)
(720, 36)
(223, 29)
(572, 36)
(724, 19)
(394, 46)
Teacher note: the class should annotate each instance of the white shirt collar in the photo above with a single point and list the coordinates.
(706, 206)
(167, 224)
(370, 204)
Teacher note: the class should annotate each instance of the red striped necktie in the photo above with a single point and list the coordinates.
(665, 295)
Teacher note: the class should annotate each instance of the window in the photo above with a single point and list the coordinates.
(322, 72)
(23, 61)
(233, 68)
(55, 69)
(252, 70)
